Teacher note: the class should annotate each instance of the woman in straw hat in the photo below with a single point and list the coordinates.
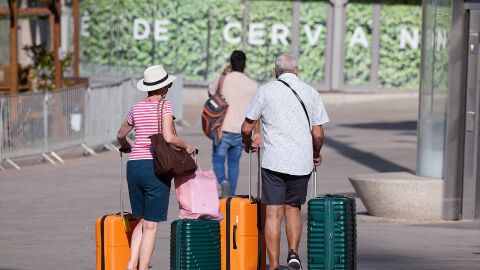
(149, 193)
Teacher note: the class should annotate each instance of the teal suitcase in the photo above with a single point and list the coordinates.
(332, 233)
(195, 244)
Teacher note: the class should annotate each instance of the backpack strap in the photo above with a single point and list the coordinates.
(220, 84)
(299, 99)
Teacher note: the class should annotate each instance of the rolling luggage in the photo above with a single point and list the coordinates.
(243, 244)
(332, 233)
(195, 244)
(113, 240)
(113, 235)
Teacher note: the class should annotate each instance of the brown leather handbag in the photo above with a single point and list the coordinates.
(169, 160)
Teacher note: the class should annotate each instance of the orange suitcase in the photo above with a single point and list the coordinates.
(113, 241)
(113, 235)
(243, 245)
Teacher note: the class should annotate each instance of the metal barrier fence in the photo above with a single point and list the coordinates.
(43, 123)
(107, 108)
(23, 125)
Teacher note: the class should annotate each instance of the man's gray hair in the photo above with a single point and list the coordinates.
(285, 62)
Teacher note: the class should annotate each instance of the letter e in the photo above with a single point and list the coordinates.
(256, 32)
(159, 29)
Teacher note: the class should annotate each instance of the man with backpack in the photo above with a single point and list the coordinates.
(237, 90)
(292, 114)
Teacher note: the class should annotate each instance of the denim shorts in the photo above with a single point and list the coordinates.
(279, 188)
(149, 193)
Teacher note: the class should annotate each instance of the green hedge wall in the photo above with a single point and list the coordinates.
(189, 49)
(264, 56)
(220, 50)
(399, 68)
(312, 58)
(358, 59)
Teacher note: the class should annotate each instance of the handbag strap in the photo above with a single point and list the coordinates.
(299, 99)
(159, 115)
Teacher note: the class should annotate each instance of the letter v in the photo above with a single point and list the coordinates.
(313, 38)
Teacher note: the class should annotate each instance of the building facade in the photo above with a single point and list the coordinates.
(341, 45)
(449, 122)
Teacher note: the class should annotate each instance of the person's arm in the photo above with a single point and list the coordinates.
(170, 137)
(257, 138)
(122, 137)
(212, 88)
(247, 128)
(252, 121)
(317, 138)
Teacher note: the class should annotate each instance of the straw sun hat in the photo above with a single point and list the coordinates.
(154, 77)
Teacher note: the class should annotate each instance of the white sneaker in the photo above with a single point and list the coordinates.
(293, 261)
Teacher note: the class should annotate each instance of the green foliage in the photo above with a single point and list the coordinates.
(44, 65)
(191, 39)
(97, 47)
(264, 56)
(221, 13)
(124, 49)
(201, 53)
(358, 59)
(4, 41)
(399, 68)
(312, 57)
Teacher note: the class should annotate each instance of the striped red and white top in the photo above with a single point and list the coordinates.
(143, 117)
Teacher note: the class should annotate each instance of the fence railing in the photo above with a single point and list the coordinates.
(43, 123)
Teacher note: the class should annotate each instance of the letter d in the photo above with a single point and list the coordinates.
(136, 29)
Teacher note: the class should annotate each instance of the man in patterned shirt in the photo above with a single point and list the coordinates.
(292, 114)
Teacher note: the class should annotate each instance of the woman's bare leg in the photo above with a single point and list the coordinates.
(135, 246)
(147, 245)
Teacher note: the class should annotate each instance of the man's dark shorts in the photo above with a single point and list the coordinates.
(279, 188)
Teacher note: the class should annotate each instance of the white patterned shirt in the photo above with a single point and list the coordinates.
(288, 146)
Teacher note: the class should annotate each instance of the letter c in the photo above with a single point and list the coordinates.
(226, 33)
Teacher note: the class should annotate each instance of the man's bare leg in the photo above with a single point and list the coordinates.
(273, 222)
(293, 226)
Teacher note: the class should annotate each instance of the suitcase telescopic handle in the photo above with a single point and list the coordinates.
(315, 194)
(259, 178)
(259, 183)
(121, 186)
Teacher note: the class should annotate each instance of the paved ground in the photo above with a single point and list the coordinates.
(47, 213)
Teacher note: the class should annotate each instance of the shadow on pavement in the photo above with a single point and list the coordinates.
(402, 125)
(366, 158)
(457, 225)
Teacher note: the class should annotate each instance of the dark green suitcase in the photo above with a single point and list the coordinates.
(332, 233)
(195, 244)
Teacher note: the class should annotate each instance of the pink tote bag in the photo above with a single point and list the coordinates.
(197, 195)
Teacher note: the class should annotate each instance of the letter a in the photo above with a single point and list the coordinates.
(358, 37)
